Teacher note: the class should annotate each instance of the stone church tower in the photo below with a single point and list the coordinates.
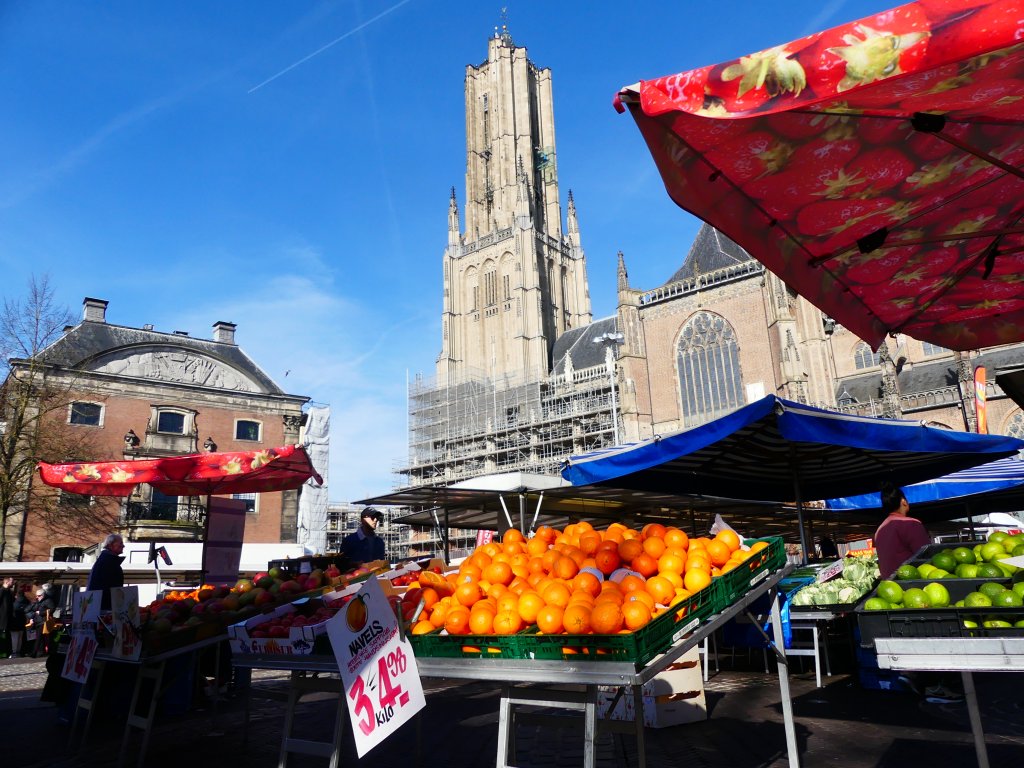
(513, 279)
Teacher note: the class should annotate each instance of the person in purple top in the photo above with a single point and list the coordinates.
(899, 536)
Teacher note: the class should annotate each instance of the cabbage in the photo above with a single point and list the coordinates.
(854, 570)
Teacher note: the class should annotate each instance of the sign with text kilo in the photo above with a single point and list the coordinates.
(378, 670)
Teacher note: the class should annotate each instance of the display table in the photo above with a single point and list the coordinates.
(963, 655)
(547, 677)
(817, 624)
(147, 690)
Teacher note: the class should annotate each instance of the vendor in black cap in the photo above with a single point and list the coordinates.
(364, 544)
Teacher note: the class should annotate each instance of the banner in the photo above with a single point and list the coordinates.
(378, 670)
(484, 537)
(222, 547)
(124, 604)
(979, 399)
(85, 617)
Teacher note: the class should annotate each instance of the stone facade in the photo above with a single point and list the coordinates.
(148, 394)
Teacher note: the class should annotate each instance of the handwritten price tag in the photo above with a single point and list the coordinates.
(382, 682)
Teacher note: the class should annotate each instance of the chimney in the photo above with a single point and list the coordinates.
(224, 332)
(94, 310)
(147, 327)
(181, 333)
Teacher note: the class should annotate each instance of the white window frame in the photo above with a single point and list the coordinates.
(160, 410)
(259, 429)
(101, 406)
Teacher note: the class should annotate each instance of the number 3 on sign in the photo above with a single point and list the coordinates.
(390, 695)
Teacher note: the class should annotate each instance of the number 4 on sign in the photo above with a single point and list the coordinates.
(392, 695)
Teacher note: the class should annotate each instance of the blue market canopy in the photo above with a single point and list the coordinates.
(997, 486)
(777, 450)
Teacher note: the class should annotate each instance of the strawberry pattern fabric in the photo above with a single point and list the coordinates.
(877, 167)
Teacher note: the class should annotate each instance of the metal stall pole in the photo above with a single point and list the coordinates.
(447, 538)
(536, 513)
(799, 502)
(783, 666)
(522, 513)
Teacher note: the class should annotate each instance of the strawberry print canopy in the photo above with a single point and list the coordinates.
(199, 474)
(875, 167)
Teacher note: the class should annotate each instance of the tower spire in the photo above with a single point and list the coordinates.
(623, 276)
(453, 220)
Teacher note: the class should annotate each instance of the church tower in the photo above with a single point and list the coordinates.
(513, 280)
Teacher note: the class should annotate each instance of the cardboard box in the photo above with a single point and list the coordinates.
(673, 697)
(299, 641)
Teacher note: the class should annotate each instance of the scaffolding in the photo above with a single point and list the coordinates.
(480, 426)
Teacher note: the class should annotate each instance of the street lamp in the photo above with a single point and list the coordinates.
(610, 341)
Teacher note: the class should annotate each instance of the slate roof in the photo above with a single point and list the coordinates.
(922, 377)
(711, 251)
(90, 339)
(579, 345)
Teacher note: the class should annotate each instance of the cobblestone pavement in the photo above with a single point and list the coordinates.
(839, 724)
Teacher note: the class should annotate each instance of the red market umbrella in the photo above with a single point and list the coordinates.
(875, 167)
(200, 474)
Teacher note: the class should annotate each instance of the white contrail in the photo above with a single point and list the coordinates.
(320, 50)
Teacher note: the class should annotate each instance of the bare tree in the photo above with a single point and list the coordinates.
(34, 398)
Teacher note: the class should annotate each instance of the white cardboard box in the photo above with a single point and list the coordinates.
(673, 697)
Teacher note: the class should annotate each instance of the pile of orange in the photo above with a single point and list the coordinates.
(558, 580)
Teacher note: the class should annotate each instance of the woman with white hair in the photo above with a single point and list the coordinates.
(106, 572)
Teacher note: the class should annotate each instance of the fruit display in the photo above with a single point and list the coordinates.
(972, 560)
(943, 608)
(293, 628)
(859, 575)
(574, 583)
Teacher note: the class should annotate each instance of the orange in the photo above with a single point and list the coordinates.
(589, 542)
(565, 568)
(607, 560)
(645, 565)
(469, 571)
(430, 597)
(456, 622)
(587, 582)
(556, 594)
(513, 548)
(512, 535)
(730, 539)
(508, 602)
(549, 619)
(576, 619)
(479, 558)
(468, 593)
(757, 546)
(719, 552)
(654, 546)
(491, 548)
(676, 538)
(545, 533)
(698, 562)
(671, 562)
(613, 535)
(422, 626)
(635, 615)
(576, 555)
(606, 618)
(536, 546)
(549, 559)
(530, 604)
(629, 549)
(536, 565)
(611, 596)
(499, 573)
(653, 529)
(631, 583)
(507, 623)
(438, 614)
(696, 579)
(481, 622)
(641, 596)
(675, 578)
(496, 590)
(661, 589)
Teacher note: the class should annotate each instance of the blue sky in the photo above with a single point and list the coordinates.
(287, 167)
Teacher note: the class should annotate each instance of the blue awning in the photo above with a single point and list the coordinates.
(997, 486)
(763, 450)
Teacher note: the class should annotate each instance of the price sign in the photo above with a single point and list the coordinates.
(382, 683)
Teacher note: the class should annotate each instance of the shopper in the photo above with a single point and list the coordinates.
(899, 536)
(364, 545)
(106, 572)
(7, 595)
(40, 619)
(21, 605)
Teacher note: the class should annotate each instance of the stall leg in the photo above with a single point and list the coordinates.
(153, 674)
(971, 698)
(787, 703)
(638, 709)
(87, 700)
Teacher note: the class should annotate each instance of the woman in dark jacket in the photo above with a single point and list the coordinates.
(39, 613)
(7, 593)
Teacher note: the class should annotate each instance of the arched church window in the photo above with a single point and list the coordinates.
(710, 379)
(863, 357)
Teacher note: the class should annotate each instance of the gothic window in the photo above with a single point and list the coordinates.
(1015, 427)
(508, 287)
(710, 379)
(490, 288)
(476, 299)
(487, 131)
(863, 357)
(86, 414)
(933, 349)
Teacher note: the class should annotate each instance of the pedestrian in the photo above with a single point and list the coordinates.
(899, 536)
(897, 539)
(7, 595)
(828, 548)
(21, 605)
(364, 545)
(40, 619)
(106, 572)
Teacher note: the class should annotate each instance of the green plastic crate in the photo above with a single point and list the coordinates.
(750, 572)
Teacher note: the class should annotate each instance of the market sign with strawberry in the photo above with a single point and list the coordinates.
(877, 167)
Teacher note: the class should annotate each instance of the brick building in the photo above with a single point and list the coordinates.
(135, 393)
